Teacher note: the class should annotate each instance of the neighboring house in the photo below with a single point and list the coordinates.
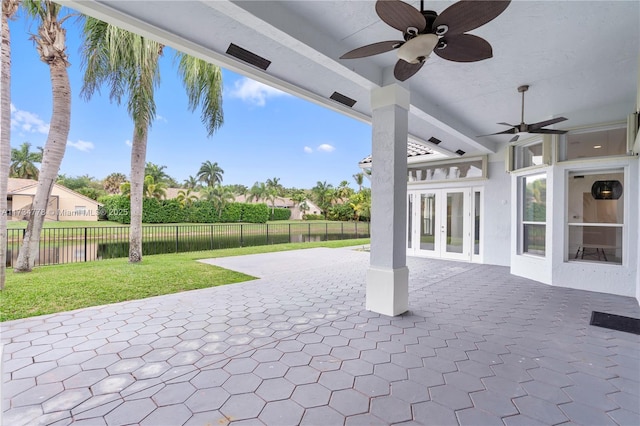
(285, 203)
(64, 204)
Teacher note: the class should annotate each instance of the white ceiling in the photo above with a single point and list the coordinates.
(579, 58)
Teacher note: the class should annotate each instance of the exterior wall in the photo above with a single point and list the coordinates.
(496, 217)
(597, 276)
(556, 267)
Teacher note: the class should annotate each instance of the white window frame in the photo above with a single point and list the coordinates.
(522, 190)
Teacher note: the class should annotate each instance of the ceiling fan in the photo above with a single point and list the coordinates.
(425, 31)
(517, 129)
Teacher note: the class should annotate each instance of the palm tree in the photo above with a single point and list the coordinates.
(359, 178)
(186, 197)
(23, 162)
(153, 189)
(112, 183)
(257, 192)
(128, 64)
(275, 185)
(219, 196)
(156, 172)
(190, 183)
(51, 45)
(9, 8)
(323, 195)
(210, 173)
(343, 192)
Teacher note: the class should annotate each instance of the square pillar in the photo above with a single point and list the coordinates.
(388, 275)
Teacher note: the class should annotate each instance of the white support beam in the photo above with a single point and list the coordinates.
(388, 275)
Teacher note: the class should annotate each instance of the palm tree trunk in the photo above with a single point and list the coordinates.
(138, 161)
(53, 152)
(8, 9)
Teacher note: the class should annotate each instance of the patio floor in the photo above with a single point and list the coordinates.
(479, 346)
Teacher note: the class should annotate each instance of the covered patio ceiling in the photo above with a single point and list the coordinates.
(579, 58)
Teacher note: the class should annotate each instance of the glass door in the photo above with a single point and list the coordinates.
(441, 223)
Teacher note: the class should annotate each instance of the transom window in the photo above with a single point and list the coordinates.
(593, 142)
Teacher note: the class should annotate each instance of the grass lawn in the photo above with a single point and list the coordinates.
(60, 288)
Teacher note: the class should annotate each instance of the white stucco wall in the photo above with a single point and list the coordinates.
(497, 213)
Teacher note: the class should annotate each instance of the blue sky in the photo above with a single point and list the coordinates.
(266, 133)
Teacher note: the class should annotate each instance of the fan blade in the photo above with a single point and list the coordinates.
(507, 124)
(536, 126)
(400, 15)
(505, 132)
(403, 69)
(373, 49)
(467, 15)
(465, 48)
(548, 131)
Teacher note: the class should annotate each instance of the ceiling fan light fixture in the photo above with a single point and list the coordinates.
(417, 47)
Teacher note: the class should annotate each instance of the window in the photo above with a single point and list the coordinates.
(533, 193)
(80, 210)
(531, 153)
(593, 142)
(445, 171)
(595, 221)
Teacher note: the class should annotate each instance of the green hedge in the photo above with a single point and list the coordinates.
(117, 209)
(313, 217)
(281, 214)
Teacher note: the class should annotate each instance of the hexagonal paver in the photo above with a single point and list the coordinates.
(240, 407)
(391, 409)
(463, 381)
(270, 370)
(130, 412)
(151, 370)
(493, 402)
(241, 365)
(349, 402)
(282, 413)
(66, 400)
(372, 385)
(410, 391)
(539, 409)
(302, 375)
(321, 416)
(37, 395)
(85, 379)
(173, 394)
(170, 415)
(112, 384)
(207, 399)
(390, 372)
(275, 389)
(431, 413)
(58, 374)
(294, 359)
(267, 355)
(210, 378)
(242, 383)
(125, 366)
(336, 380)
(185, 358)
(311, 395)
(451, 397)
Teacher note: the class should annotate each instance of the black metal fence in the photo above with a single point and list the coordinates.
(84, 244)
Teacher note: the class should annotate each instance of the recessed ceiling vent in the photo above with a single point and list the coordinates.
(248, 57)
(460, 152)
(434, 141)
(344, 100)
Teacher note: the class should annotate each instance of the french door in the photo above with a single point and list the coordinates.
(444, 223)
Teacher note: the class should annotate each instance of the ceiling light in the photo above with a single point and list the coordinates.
(606, 190)
(597, 146)
(418, 48)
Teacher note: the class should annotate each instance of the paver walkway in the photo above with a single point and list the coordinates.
(479, 346)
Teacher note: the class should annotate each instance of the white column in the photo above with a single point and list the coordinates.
(388, 275)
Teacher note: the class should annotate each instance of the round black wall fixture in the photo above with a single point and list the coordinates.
(606, 190)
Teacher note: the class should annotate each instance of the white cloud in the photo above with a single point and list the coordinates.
(253, 92)
(325, 147)
(81, 145)
(128, 142)
(27, 121)
(308, 150)
(161, 119)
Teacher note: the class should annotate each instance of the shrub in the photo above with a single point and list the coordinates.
(342, 212)
(281, 214)
(117, 208)
(255, 213)
(201, 211)
(313, 217)
(232, 212)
